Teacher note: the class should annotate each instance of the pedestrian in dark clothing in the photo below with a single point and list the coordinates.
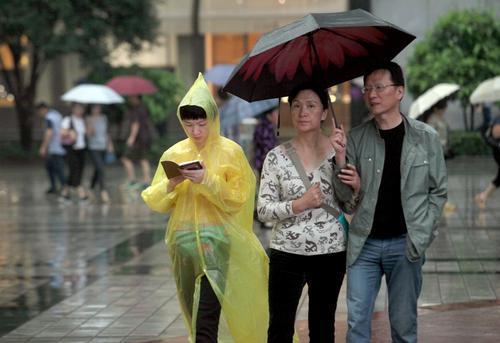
(51, 148)
(403, 191)
(264, 137)
(138, 142)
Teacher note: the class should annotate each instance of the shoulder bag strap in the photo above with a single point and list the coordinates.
(303, 175)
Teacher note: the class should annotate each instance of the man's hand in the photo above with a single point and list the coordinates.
(313, 198)
(42, 151)
(349, 175)
(130, 141)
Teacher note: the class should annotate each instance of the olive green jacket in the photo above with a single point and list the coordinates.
(423, 184)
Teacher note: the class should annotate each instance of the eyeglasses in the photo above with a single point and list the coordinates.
(376, 88)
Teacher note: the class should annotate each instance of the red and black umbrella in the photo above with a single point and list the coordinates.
(323, 48)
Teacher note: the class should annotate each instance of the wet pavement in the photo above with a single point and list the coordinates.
(93, 272)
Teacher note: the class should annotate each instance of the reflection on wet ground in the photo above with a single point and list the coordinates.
(92, 272)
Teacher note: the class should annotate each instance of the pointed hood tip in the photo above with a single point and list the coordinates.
(199, 94)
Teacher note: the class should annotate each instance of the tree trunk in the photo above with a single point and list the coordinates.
(472, 115)
(198, 56)
(24, 110)
(195, 18)
(464, 113)
(24, 93)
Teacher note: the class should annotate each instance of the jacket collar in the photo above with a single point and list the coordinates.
(410, 130)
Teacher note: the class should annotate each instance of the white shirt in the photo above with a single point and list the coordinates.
(311, 232)
(79, 127)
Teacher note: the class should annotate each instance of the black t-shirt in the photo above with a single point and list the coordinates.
(389, 219)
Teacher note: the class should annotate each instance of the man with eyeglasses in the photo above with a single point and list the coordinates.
(403, 190)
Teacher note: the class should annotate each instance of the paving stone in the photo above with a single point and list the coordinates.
(81, 278)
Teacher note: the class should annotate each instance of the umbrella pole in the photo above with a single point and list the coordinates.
(311, 42)
(335, 123)
(279, 120)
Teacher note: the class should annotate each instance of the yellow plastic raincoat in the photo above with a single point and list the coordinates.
(210, 230)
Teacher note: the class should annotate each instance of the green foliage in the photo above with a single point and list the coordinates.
(13, 151)
(463, 48)
(162, 103)
(161, 144)
(39, 31)
(468, 143)
(89, 28)
(169, 95)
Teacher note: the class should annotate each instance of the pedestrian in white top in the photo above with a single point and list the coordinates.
(73, 140)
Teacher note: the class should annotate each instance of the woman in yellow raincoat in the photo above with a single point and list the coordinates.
(219, 265)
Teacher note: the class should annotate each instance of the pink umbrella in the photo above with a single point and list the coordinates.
(131, 85)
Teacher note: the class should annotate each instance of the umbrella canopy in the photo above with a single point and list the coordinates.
(262, 106)
(487, 91)
(324, 48)
(131, 85)
(219, 74)
(92, 94)
(430, 97)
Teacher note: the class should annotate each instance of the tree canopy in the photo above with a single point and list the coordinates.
(463, 47)
(38, 31)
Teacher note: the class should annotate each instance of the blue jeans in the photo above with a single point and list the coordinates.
(55, 169)
(404, 282)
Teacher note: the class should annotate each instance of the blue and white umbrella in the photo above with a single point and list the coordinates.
(262, 106)
(219, 74)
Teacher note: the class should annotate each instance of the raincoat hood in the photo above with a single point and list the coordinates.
(199, 95)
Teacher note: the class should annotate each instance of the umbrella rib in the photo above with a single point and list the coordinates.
(360, 42)
(315, 52)
(278, 51)
(311, 43)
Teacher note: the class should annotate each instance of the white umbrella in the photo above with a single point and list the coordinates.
(487, 91)
(431, 97)
(92, 94)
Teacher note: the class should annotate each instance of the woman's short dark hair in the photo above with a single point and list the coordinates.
(392, 67)
(41, 105)
(441, 104)
(192, 112)
(321, 93)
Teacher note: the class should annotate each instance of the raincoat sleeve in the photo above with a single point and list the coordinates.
(156, 196)
(229, 185)
(270, 206)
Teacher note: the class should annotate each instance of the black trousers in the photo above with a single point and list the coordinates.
(76, 163)
(288, 273)
(207, 320)
(97, 157)
(496, 156)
